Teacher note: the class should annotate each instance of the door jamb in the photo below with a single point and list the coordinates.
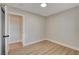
(23, 37)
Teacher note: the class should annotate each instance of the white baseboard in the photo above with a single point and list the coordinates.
(60, 43)
(33, 42)
(14, 42)
(63, 44)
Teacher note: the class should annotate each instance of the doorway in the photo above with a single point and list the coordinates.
(15, 26)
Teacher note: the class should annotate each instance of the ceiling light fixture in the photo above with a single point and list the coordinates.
(43, 4)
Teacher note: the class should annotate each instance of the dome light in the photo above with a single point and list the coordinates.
(43, 5)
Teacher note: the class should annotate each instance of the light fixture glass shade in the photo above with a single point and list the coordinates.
(43, 5)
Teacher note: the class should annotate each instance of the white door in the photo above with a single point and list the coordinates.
(4, 36)
(3, 31)
(6, 31)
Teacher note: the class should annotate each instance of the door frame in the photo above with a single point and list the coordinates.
(23, 37)
(13, 13)
(2, 30)
(6, 32)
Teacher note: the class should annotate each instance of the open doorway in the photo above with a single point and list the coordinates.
(15, 25)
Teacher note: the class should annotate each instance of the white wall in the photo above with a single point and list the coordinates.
(34, 25)
(15, 28)
(64, 27)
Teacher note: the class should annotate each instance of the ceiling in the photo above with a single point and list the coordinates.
(52, 8)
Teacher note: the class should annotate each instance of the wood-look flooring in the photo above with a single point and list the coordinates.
(15, 46)
(44, 48)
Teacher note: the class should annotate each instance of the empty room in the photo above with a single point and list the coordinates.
(42, 28)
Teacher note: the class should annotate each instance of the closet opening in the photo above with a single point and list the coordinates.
(15, 26)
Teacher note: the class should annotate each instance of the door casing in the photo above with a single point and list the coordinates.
(23, 37)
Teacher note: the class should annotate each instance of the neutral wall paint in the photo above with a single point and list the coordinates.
(34, 25)
(15, 28)
(64, 27)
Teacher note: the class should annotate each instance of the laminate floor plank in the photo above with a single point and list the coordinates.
(42, 48)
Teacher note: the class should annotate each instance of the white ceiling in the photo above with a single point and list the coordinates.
(52, 8)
